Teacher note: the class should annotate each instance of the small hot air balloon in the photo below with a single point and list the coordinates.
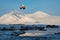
(22, 6)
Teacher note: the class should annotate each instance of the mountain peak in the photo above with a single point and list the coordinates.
(41, 13)
(14, 12)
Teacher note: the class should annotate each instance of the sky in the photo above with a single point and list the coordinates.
(51, 7)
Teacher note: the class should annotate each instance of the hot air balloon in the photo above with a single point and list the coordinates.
(22, 7)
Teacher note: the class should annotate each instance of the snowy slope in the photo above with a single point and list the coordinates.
(50, 20)
(11, 17)
(39, 17)
(38, 14)
(15, 17)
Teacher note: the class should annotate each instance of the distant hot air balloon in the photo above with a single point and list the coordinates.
(22, 7)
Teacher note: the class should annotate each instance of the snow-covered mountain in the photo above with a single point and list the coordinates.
(38, 14)
(10, 17)
(15, 17)
(39, 17)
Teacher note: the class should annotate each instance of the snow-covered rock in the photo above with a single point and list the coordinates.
(39, 17)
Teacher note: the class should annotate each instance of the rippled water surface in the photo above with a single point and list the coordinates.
(6, 35)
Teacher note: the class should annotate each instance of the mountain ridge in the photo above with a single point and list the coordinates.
(15, 17)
